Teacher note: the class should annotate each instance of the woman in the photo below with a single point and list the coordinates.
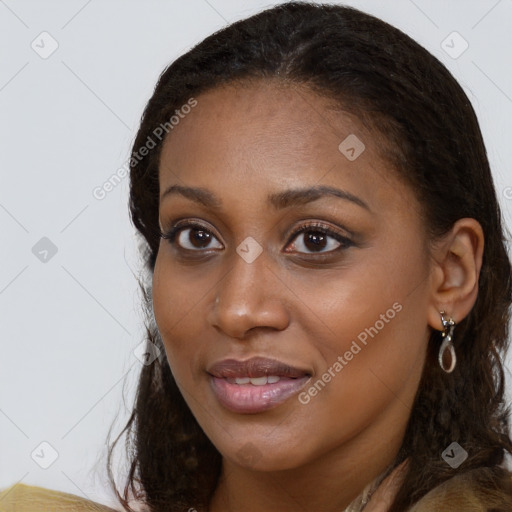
(328, 285)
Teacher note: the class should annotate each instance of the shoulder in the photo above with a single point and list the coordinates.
(478, 490)
(29, 498)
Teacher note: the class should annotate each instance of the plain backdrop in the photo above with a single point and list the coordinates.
(69, 304)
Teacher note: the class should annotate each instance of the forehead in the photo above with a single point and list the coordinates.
(288, 121)
(269, 135)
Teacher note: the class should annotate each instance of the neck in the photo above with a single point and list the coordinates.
(330, 483)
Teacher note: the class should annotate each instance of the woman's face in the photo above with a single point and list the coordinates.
(294, 309)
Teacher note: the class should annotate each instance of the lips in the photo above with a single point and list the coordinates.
(255, 385)
(254, 368)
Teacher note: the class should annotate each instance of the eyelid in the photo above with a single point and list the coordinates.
(343, 239)
(187, 223)
(321, 226)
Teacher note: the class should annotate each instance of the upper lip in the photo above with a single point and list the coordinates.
(255, 367)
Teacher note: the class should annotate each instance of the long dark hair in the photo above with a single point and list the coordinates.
(430, 134)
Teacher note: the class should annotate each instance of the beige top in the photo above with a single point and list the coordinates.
(30, 498)
(455, 494)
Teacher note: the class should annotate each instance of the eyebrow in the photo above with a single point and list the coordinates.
(279, 200)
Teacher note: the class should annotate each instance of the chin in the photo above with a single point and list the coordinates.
(263, 453)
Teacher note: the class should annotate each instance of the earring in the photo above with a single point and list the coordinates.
(447, 334)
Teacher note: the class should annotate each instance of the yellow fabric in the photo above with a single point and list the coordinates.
(29, 498)
(458, 494)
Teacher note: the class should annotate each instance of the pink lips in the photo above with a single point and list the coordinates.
(256, 384)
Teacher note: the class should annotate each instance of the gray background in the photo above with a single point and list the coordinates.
(70, 323)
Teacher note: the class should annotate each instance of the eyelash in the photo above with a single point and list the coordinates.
(316, 227)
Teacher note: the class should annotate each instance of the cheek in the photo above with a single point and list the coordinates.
(177, 305)
(371, 370)
(368, 325)
(179, 292)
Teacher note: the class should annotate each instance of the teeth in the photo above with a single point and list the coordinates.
(258, 381)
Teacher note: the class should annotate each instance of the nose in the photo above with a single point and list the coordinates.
(249, 298)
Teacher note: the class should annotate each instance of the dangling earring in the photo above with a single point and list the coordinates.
(448, 326)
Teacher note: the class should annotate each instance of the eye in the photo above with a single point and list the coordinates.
(192, 237)
(318, 238)
(314, 238)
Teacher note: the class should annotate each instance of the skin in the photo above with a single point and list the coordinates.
(243, 143)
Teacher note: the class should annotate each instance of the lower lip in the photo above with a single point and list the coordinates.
(247, 398)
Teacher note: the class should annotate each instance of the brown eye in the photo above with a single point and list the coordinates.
(192, 237)
(316, 239)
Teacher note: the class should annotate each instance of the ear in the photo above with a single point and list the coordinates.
(456, 264)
